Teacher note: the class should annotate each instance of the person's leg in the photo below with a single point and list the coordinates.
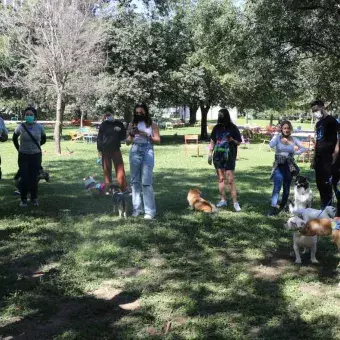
(147, 181)
(119, 169)
(24, 173)
(277, 180)
(322, 177)
(135, 179)
(221, 183)
(34, 168)
(287, 180)
(107, 167)
(231, 184)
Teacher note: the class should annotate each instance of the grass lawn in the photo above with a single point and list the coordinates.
(71, 270)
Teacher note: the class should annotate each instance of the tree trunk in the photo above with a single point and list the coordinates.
(82, 119)
(271, 119)
(59, 121)
(127, 114)
(193, 110)
(204, 113)
(247, 119)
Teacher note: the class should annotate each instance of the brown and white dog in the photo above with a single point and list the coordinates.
(301, 241)
(198, 203)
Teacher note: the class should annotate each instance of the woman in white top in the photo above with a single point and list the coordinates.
(142, 133)
(284, 167)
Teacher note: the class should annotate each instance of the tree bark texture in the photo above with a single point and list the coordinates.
(59, 121)
(193, 110)
(204, 113)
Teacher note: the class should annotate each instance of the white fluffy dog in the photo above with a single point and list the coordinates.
(310, 213)
(301, 241)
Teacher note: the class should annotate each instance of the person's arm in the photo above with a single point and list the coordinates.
(274, 141)
(237, 139)
(336, 152)
(301, 148)
(4, 132)
(100, 139)
(15, 140)
(122, 133)
(155, 138)
(129, 135)
(43, 136)
(212, 144)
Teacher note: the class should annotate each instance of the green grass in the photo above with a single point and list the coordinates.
(69, 269)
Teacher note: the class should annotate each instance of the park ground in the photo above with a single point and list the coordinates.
(70, 269)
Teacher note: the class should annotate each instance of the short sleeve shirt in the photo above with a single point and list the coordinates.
(27, 146)
(326, 136)
(220, 136)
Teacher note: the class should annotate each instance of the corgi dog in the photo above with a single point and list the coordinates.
(196, 202)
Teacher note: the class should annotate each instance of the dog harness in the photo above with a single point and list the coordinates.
(335, 225)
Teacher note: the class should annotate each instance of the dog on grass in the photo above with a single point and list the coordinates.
(119, 201)
(198, 203)
(303, 195)
(309, 213)
(301, 241)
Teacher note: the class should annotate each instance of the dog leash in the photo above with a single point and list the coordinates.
(325, 207)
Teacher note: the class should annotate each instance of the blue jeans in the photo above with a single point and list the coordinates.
(142, 161)
(281, 176)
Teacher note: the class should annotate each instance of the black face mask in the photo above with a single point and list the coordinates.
(139, 118)
(220, 120)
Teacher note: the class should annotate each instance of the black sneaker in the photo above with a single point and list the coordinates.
(273, 211)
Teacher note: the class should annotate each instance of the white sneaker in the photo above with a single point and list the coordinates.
(23, 204)
(135, 213)
(148, 217)
(237, 207)
(36, 203)
(221, 203)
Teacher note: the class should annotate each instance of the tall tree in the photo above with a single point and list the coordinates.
(54, 44)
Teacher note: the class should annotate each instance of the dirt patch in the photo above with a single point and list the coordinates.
(312, 289)
(132, 272)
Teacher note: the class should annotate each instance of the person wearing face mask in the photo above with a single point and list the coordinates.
(224, 140)
(284, 167)
(142, 133)
(111, 133)
(32, 136)
(326, 130)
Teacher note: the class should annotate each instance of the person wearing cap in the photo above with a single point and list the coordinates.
(111, 133)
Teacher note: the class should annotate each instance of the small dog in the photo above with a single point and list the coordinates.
(119, 200)
(323, 227)
(310, 213)
(198, 203)
(301, 241)
(303, 195)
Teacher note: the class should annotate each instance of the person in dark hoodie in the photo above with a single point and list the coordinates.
(111, 133)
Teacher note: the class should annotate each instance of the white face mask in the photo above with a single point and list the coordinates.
(110, 118)
(318, 114)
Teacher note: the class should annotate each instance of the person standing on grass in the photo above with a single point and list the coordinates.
(111, 133)
(284, 167)
(3, 137)
(225, 138)
(32, 136)
(143, 133)
(326, 130)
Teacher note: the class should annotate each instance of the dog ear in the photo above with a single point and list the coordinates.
(302, 225)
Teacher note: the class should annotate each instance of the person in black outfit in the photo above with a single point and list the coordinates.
(326, 139)
(111, 133)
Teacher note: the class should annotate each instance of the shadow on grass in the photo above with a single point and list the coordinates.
(223, 276)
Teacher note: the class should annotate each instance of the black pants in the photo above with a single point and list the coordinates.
(29, 166)
(323, 174)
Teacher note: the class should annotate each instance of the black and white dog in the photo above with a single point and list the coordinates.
(120, 201)
(303, 195)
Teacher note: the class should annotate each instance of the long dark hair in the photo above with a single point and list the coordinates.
(147, 118)
(227, 123)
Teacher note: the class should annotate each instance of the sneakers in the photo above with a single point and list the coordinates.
(237, 207)
(221, 203)
(35, 202)
(273, 211)
(148, 217)
(135, 213)
(23, 204)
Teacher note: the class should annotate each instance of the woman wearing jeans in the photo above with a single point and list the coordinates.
(32, 135)
(142, 133)
(284, 167)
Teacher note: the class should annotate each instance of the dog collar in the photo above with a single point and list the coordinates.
(336, 225)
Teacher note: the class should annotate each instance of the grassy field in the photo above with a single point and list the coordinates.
(70, 269)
